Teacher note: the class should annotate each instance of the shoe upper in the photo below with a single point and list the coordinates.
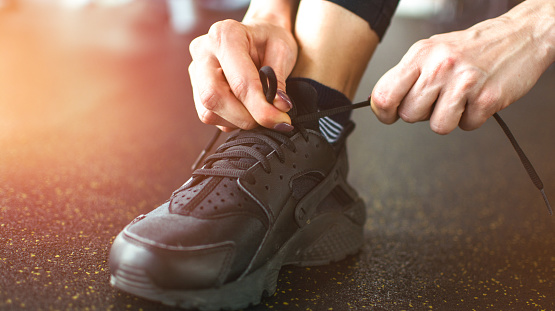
(237, 210)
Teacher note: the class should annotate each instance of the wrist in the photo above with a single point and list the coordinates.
(538, 17)
(280, 13)
(551, 35)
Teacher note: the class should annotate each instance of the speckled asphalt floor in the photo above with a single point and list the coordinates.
(87, 142)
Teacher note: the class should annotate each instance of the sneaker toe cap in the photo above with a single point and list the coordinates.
(145, 264)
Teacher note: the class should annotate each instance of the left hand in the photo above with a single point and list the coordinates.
(462, 78)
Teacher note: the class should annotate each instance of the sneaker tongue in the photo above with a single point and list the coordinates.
(305, 99)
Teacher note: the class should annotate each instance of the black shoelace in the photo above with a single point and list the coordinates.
(243, 149)
(226, 160)
(524, 159)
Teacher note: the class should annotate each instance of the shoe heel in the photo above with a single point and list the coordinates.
(332, 240)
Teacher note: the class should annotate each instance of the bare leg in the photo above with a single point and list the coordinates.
(335, 45)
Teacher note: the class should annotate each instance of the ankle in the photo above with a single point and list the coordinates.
(329, 98)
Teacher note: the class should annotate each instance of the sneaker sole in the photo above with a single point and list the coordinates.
(332, 238)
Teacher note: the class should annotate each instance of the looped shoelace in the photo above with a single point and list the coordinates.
(229, 159)
(241, 146)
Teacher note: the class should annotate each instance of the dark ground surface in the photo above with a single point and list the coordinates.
(93, 135)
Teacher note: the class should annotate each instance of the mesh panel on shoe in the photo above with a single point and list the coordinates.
(215, 197)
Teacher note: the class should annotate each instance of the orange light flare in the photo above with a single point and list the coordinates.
(94, 83)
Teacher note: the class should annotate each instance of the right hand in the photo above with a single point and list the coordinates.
(224, 74)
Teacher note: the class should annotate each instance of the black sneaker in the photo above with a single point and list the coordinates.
(263, 200)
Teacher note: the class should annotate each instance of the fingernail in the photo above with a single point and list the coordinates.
(284, 127)
(285, 97)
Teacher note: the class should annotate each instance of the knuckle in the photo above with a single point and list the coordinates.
(263, 119)
(420, 45)
(448, 61)
(469, 78)
(488, 101)
(445, 61)
(223, 28)
(208, 117)
(239, 86)
(408, 117)
(382, 100)
(195, 45)
(210, 99)
(247, 124)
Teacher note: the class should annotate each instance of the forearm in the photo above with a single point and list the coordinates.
(278, 12)
(536, 20)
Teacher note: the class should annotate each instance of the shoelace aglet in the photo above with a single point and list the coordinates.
(546, 202)
(206, 149)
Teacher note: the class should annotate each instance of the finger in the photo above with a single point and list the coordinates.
(390, 90)
(480, 108)
(282, 101)
(419, 101)
(226, 129)
(480, 102)
(243, 79)
(211, 118)
(447, 112)
(281, 58)
(215, 103)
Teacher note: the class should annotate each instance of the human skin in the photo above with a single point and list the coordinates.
(462, 78)
(300, 40)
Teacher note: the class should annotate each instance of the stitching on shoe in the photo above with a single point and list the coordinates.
(226, 264)
(201, 249)
(296, 139)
